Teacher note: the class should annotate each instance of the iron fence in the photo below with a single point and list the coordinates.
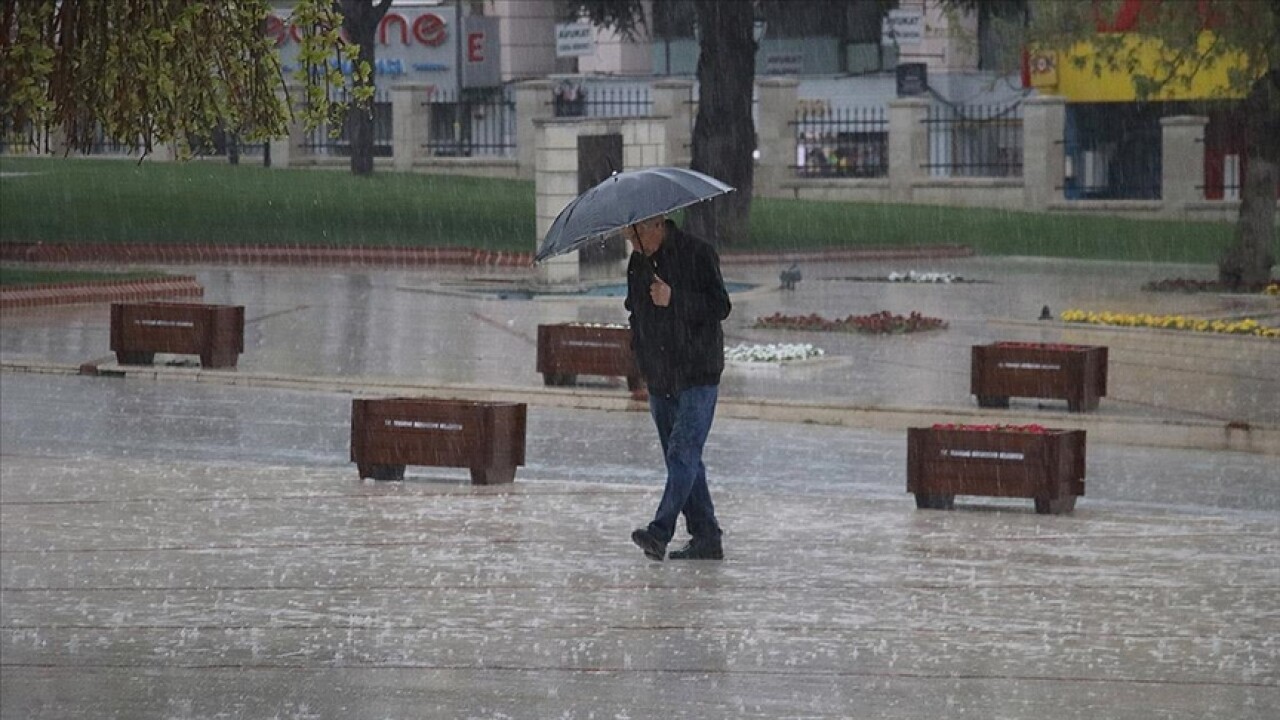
(32, 140)
(1126, 167)
(102, 144)
(321, 141)
(25, 140)
(473, 124)
(228, 145)
(578, 100)
(974, 140)
(841, 142)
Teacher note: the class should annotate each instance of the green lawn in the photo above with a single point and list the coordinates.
(991, 232)
(79, 200)
(14, 277)
(82, 200)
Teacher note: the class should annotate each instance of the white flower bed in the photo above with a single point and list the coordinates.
(771, 353)
(611, 326)
(927, 277)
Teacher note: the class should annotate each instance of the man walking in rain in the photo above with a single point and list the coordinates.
(677, 299)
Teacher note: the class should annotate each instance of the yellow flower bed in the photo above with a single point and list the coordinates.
(1272, 289)
(1172, 322)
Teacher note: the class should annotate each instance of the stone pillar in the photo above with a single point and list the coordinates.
(408, 124)
(58, 143)
(555, 142)
(165, 152)
(776, 136)
(289, 148)
(1181, 162)
(644, 140)
(1044, 122)
(533, 103)
(908, 146)
(673, 102)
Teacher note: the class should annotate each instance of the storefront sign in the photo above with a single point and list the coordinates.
(426, 29)
(480, 58)
(1043, 68)
(411, 44)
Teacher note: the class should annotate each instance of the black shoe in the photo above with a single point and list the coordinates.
(653, 548)
(700, 549)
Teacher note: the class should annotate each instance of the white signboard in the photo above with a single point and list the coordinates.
(783, 63)
(902, 27)
(575, 39)
(480, 52)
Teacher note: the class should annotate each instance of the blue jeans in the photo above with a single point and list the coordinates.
(683, 421)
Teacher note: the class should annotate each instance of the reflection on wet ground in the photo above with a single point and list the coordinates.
(383, 324)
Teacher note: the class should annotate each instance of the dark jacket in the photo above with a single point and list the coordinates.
(681, 345)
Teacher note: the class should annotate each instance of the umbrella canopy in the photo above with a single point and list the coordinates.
(625, 199)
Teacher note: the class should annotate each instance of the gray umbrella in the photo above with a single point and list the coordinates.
(625, 199)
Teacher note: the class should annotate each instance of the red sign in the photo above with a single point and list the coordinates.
(1132, 14)
(475, 47)
(428, 29)
(282, 31)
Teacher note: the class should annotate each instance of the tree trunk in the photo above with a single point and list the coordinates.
(724, 135)
(1246, 265)
(360, 20)
(360, 123)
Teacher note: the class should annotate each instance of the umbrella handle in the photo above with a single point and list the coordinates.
(653, 268)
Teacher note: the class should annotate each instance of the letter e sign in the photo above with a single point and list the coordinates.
(475, 47)
(429, 29)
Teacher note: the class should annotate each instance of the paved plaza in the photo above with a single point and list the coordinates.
(194, 544)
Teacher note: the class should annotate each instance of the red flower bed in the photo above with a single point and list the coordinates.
(881, 323)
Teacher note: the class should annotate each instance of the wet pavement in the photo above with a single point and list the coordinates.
(415, 326)
(201, 549)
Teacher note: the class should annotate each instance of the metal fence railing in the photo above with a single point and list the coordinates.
(223, 144)
(479, 125)
(580, 100)
(1126, 168)
(32, 140)
(841, 142)
(101, 144)
(25, 140)
(974, 140)
(320, 142)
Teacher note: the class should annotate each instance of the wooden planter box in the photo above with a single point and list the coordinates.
(1046, 467)
(487, 437)
(1075, 373)
(214, 332)
(568, 350)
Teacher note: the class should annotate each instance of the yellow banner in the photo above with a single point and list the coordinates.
(1074, 78)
